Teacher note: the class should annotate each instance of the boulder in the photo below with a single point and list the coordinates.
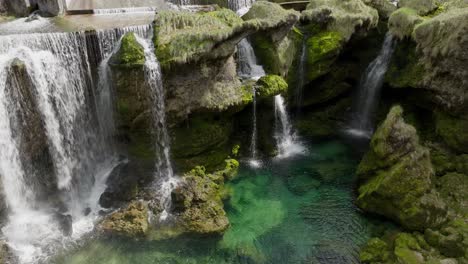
(21, 8)
(397, 177)
(52, 7)
(131, 221)
(270, 85)
(276, 45)
(198, 200)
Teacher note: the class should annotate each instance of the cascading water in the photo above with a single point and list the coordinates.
(165, 179)
(77, 138)
(248, 67)
(369, 89)
(124, 10)
(254, 162)
(286, 139)
(301, 74)
(240, 6)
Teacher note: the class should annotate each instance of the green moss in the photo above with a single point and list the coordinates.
(131, 53)
(235, 150)
(406, 69)
(203, 140)
(405, 244)
(322, 51)
(453, 131)
(341, 16)
(376, 250)
(270, 85)
(403, 21)
(422, 7)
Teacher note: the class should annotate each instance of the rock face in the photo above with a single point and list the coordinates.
(198, 201)
(52, 7)
(436, 41)
(20, 8)
(275, 44)
(397, 177)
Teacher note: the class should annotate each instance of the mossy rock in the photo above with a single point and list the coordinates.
(422, 7)
(346, 17)
(131, 221)
(451, 240)
(270, 85)
(384, 7)
(130, 53)
(202, 140)
(406, 249)
(198, 200)
(453, 130)
(453, 187)
(322, 51)
(403, 21)
(376, 250)
(276, 45)
(397, 175)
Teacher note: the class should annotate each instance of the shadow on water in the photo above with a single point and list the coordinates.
(296, 210)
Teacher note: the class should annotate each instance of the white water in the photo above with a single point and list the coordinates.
(287, 141)
(124, 10)
(369, 90)
(248, 67)
(166, 181)
(301, 74)
(59, 69)
(240, 6)
(254, 162)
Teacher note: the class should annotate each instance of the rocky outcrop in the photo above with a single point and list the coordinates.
(131, 221)
(198, 201)
(397, 177)
(275, 45)
(52, 7)
(436, 37)
(20, 8)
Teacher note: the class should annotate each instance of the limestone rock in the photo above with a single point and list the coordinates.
(131, 221)
(397, 177)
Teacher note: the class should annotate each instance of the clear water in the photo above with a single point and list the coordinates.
(290, 211)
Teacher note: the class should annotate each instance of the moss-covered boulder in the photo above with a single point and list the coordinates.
(322, 50)
(421, 6)
(276, 45)
(376, 250)
(130, 53)
(270, 85)
(198, 200)
(436, 67)
(131, 221)
(451, 240)
(346, 17)
(397, 176)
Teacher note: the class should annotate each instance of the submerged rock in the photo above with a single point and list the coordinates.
(397, 177)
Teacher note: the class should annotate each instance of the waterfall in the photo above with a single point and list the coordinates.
(240, 6)
(254, 162)
(77, 123)
(248, 67)
(286, 138)
(114, 11)
(301, 74)
(165, 179)
(369, 89)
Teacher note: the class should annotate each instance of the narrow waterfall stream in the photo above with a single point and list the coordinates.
(286, 139)
(249, 69)
(369, 90)
(164, 174)
(300, 75)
